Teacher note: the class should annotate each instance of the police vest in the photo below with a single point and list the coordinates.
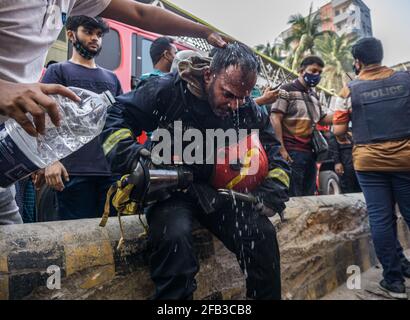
(381, 109)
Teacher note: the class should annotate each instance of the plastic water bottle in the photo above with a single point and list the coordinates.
(22, 154)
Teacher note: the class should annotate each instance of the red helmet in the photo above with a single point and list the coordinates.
(242, 166)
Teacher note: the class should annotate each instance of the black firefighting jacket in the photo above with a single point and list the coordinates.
(158, 102)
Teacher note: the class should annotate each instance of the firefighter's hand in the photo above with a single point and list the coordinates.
(217, 40)
(285, 155)
(269, 212)
(54, 175)
(38, 178)
(16, 100)
(265, 211)
(269, 97)
(339, 169)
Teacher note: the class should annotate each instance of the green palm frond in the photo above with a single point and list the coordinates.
(336, 52)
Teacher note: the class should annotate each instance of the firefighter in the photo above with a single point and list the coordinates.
(204, 96)
(378, 103)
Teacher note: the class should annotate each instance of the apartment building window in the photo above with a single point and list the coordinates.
(337, 12)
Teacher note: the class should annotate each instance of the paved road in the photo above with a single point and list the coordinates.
(369, 287)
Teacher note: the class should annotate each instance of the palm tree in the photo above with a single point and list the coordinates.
(272, 51)
(304, 32)
(336, 52)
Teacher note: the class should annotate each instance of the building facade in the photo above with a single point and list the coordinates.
(343, 17)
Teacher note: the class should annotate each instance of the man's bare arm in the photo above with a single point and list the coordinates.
(340, 130)
(269, 97)
(155, 19)
(327, 121)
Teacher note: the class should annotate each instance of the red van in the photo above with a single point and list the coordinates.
(126, 52)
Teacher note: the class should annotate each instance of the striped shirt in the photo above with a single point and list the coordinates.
(297, 124)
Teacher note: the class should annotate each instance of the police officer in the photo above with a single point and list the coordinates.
(378, 104)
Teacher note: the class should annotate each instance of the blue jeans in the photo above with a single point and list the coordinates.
(303, 176)
(382, 191)
(84, 197)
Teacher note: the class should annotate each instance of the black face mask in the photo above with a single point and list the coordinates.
(83, 51)
(312, 80)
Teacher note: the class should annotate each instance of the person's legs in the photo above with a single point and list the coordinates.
(173, 263)
(378, 191)
(309, 187)
(350, 183)
(344, 183)
(298, 172)
(29, 204)
(77, 200)
(401, 188)
(9, 212)
(252, 238)
(102, 186)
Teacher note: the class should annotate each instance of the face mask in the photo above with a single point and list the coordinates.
(83, 51)
(312, 80)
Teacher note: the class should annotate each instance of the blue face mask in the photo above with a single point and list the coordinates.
(312, 80)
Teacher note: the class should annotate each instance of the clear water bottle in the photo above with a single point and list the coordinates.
(22, 154)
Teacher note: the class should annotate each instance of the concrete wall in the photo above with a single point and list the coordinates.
(321, 239)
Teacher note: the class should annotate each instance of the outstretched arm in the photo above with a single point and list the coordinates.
(158, 20)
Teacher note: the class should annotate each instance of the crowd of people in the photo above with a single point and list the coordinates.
(214, 92)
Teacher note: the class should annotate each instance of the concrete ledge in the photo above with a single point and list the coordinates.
(322, 238)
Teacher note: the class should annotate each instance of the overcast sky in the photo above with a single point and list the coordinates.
(258, 21)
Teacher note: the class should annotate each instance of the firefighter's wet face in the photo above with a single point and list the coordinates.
(228, 90)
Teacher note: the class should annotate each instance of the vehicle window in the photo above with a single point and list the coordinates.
(110, 55)
(145, 56)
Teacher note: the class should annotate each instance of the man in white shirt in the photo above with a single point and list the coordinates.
(27, 31)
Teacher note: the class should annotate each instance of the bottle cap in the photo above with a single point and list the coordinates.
(109, 96)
